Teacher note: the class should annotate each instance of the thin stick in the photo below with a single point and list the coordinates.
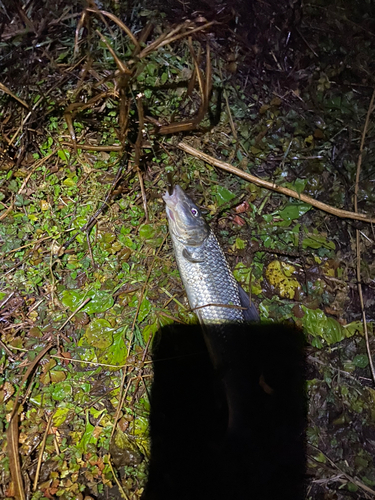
(115, 478)
(41, 451)
(89, 147)
(7, 211)
(10, 354)
(75, 312)
(349, 478)
(90, 249)
(177, 37)
(272, 186)
(121, 401)
(138, 145)
(143, 291)
(36, 165)
(119, 23)
(5, 89)
(93, 219)
(358, 236)
(120, 64)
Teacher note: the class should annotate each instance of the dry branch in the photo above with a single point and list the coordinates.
(345, 214)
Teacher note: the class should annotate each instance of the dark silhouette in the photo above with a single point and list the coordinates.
(236, 431)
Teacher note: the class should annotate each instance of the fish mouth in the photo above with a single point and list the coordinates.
(171, 201)
(170, 213)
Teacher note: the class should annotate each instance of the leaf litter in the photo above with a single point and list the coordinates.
(97, 105)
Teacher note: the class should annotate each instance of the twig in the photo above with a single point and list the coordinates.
(89, 147)
(14, 458)
(168, 38)
(205, 89)
(137, 154)
(12, 431)
(173, 298)
(9, 92)
(349, 478)
(41, 451)
(120, 64)
(183, 35)
(93, 220)
(8, 210)
(358, 236)
(26, 376)
(143, 291)
(90, 249)
(231, 122)
(75, 312)
(272, 186)
(119, 23)
(32, 170)
(115, 478)
(10, 354)
(2, 304)
(121, 401)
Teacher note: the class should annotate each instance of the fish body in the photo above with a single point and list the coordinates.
(222, 306)
(212, 290)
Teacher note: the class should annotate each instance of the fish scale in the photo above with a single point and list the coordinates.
(209, 281)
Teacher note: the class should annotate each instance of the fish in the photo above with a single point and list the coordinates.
(223, 308)
(213, 292)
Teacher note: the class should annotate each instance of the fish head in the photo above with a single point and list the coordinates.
(186, 221)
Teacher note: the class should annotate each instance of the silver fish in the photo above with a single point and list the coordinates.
(212, 290)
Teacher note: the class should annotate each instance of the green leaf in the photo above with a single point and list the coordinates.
(151, 68)
(2, 296)
(57, 375)
(353, 328)
(64, 154)
(144, 309)
(317, 241)
(69, 182)
(100, 300)
(360, 360)
(87, 437)
(239, 155)
(99, 333)
(60, 416)
(240, 244)
(116, 353)
(61, 390)
(150, 330)
(352, 487)
(298, 185)
(147, 231)
(223, 195)
(334, 331)
(242, 273)
(294, 210)
(316, 323)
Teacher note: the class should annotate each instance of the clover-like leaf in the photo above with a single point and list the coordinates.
(99, 333)
(100, 300)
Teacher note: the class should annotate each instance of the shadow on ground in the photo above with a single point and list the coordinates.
(234, 432)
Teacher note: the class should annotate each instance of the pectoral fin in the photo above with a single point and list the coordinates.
(190, 257)
(250, 314)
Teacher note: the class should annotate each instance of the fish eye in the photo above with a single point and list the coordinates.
(194, 212)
